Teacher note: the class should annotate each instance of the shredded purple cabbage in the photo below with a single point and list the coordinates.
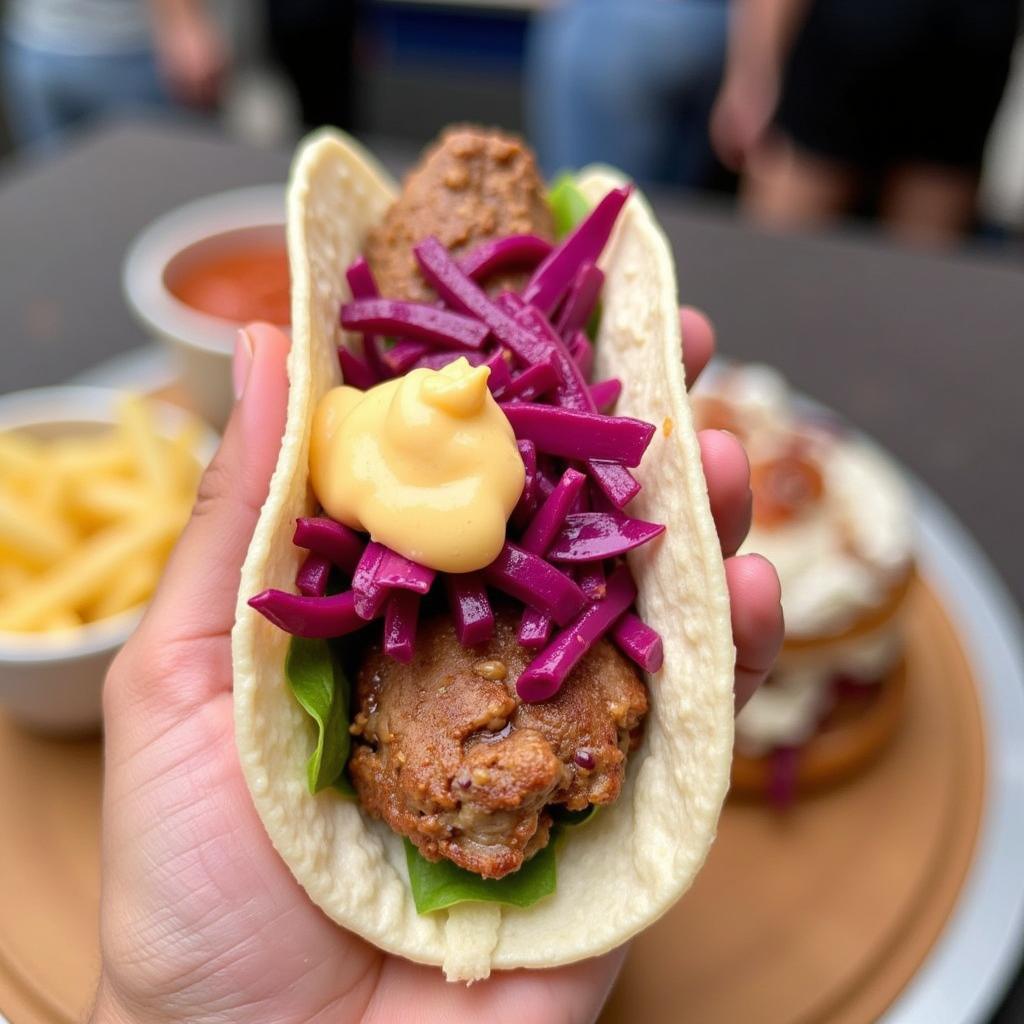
(311, 579)
(509, 302)
(500, 378)
(513, 252)
(354, 371)
(323, 536)
(562, 559)
(533, 382)
(471, 608)
(534, 629)
(638, 641)
(360, 280)
(580, 435)
(529, 578)
(414, 320)
(403, 356)
(544, 675)
(580, 302)
(582, 352)
(398, 573)
(311, 617)
(363, 286)
(552, 278)
(544, 526)
(573, 392)
(597, 536)
(605, 393)
(465, 295)
(370, 596)
(616, 482)
(436, 359)
(400, 616)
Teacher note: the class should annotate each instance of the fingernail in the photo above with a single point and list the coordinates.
(242, 362)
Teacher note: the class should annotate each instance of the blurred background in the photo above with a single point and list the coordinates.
(842, 182)
(904, 114)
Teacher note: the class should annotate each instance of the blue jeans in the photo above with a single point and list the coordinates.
(45, 93)
(627, 82)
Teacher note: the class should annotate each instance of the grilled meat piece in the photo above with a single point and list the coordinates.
(473, 186)
(448, 755)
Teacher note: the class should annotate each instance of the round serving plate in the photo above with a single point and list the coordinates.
(980, 950)
(896, 897)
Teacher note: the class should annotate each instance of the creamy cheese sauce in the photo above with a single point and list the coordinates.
(426, 464)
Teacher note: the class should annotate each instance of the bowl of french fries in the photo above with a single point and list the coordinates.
(95, 487)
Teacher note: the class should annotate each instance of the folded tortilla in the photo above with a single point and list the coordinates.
(636, 858)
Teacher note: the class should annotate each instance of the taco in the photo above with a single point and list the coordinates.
(493, 727)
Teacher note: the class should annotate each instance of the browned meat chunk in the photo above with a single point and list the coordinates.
(472, 186)
(447, 755)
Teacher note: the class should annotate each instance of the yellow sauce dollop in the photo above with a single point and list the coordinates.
(426, 464)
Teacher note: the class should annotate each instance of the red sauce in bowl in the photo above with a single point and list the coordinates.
(241, 283)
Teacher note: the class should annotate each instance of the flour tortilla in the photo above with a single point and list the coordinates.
(636, 858)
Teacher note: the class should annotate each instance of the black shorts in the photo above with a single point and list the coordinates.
(877, 82)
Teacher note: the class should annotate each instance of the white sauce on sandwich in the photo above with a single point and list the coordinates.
(840, 555)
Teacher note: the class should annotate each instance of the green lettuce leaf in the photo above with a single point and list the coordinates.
(320, 687)
(568, 204)
(322, 690)
(441, 885)
(568, 207)
(343, 786)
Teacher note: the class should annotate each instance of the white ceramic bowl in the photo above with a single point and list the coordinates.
(53, 682)
(202, 344)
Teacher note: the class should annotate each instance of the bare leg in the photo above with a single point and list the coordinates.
(786, 186)
(927, 204)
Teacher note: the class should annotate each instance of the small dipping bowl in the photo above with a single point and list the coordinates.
(53, 682)
(170, 257)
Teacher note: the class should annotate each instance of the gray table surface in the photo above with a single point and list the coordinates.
(925, 352)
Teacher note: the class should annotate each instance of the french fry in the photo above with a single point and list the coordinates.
(133, 586)
(12, 575)
(182, 453)
(19, 454)
(146, 445)
(103, 499)
(79, 457)
(45, 491)
(65, 618)
(89, 570)
(31, 531)
(87, 522)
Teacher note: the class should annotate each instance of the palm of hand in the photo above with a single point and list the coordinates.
(200, 919)
(214, 926)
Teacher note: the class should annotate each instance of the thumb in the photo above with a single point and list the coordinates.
(197, 596)
(188, 624)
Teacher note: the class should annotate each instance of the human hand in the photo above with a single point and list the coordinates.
(191, 53)
(741, 114)
(200, 918)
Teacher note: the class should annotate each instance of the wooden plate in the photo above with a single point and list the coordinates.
(824, 913)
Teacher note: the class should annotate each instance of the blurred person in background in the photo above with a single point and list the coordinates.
(627, 82)
(68, 61)
(826, 103)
